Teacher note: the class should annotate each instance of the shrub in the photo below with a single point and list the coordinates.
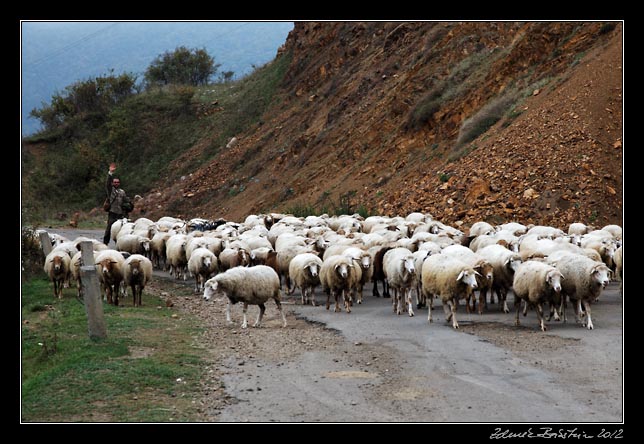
(606, 28)
(483, 119)
(182, 66)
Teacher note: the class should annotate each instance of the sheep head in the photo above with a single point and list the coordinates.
(554, 278)
(468, 278)
(313, 269)
(211, 288)
(601, 274)
(342, 270)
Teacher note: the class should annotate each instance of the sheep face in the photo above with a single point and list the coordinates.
(554, 278)
(513, 263)
(58, 263)
(601, 274)
(408, 265)
(135, 266)
(313, 269)
(342, 270)
(467, 278)
(107, 266)
(211, 288)
(365, 262)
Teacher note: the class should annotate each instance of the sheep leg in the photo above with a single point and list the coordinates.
(360, 295)
(525, 308)
(447, 310)
(245, 321)
(452, 305)
(419, 297)
(517, 304)
(262, 309)
(481, 299)
(311, 296)
(228, 319)
(429, 314)
(578, 311)
(347, 300)
(385, 289)
(587, 309)
(328, 299)
(562, 307)
(375, 289)
(394, 302)
(410, 310)
(116, 295)
(554, 312)
(279, 308)
(304, 298)
(542, 324)
(337, 305)
(505, 302)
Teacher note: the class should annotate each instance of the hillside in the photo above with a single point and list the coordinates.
(369, 114)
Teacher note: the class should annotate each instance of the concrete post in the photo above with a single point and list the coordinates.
(92, 293)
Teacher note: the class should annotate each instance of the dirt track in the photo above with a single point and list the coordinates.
(374, 366)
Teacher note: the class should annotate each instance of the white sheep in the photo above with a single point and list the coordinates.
(505, 264)
(137, 272)
(545, 231)
(96, 244)
(158, 250)
(304, 270)
(110, 273)
(504, 238)
(450, 279)
(400, 272)
(480, 228)
(75, 265)
(364, 259)
(175, 253)
(614, 230)
(133, 244)
(249, 285)
(57, 267)
(584, 280)
(618, 259)
(536, 283)
(481, 265)
(284, 257)
(579, 228)
(338, 276)
(233, 257)
(515, 228)
(202, 264)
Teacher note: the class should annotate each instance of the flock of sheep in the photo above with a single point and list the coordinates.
(250, 262)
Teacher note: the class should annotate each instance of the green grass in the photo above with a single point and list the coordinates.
(66, 377)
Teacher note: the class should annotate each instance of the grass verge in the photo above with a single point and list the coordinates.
(148, 369)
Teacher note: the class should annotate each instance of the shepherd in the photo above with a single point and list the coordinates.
(117, 204)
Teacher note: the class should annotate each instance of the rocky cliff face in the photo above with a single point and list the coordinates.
(466, 121)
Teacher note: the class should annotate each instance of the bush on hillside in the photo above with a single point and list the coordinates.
(182, 66)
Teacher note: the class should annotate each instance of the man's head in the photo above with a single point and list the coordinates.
(116, 182)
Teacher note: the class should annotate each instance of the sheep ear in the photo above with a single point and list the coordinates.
(336, 267)
(460, 276)
(478, 274)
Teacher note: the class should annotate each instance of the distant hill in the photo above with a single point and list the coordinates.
(57, 54)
